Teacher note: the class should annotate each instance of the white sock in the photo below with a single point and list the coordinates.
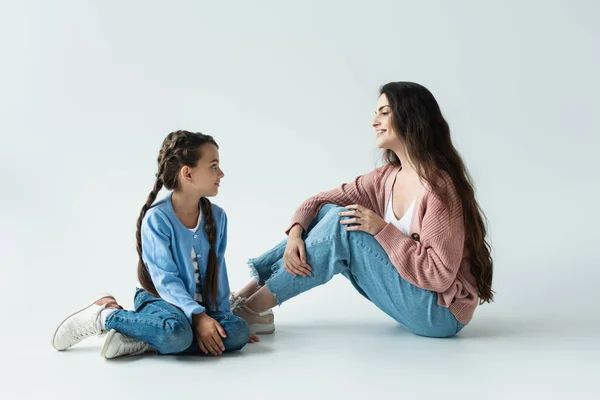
(104, 314)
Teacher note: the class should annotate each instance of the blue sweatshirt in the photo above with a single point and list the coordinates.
(167, 253)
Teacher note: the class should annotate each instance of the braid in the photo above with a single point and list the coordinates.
(143, 274)
(211, 283)
(167, 155)
(164, 157)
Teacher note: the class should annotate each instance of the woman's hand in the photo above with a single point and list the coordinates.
(365, 220)
(294, 257)
(208, 333)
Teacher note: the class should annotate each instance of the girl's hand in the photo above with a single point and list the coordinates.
(365, 220)
(208, 333)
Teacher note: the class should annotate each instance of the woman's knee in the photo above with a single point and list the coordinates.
(329, 216)
(331, 211)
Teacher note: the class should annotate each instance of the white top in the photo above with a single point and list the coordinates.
(403, 224)
(198, 296)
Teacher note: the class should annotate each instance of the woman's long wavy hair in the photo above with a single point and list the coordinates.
(181, 148)
(418, 121)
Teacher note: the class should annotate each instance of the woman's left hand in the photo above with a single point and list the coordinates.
(366, 220)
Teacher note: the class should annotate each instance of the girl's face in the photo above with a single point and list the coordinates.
(204, 179)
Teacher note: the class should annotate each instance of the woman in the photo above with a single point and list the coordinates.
(409, 236)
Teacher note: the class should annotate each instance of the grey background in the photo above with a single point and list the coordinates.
(288, 89)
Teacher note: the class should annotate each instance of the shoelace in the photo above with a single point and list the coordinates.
(240, 301)
(85, 331)
(132, 346)
(237, 303)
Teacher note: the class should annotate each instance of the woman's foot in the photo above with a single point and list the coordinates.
(259, 323)
(118, 345)
(83, 323)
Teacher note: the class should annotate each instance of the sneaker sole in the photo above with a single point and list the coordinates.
(111, 334)
(107, 341)
(262, 329)
(76, 312)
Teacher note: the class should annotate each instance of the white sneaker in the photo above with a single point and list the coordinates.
(80, 325)
(117, 345)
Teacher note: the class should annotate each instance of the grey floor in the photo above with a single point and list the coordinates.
(359, 354)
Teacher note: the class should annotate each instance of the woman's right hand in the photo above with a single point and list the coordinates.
(294, 257)
(208, 333)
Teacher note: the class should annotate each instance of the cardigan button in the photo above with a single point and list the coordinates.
(416, 236)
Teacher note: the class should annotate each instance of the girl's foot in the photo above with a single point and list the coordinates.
(83, 323)
(117, 345)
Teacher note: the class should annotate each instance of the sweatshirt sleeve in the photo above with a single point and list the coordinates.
(158, 258)
(433, 262)
(362, 190)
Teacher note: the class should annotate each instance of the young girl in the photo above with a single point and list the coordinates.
(183, 305)
(409, 236)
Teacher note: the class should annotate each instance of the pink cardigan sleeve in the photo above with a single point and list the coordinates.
(432, 263)
(360, 191)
